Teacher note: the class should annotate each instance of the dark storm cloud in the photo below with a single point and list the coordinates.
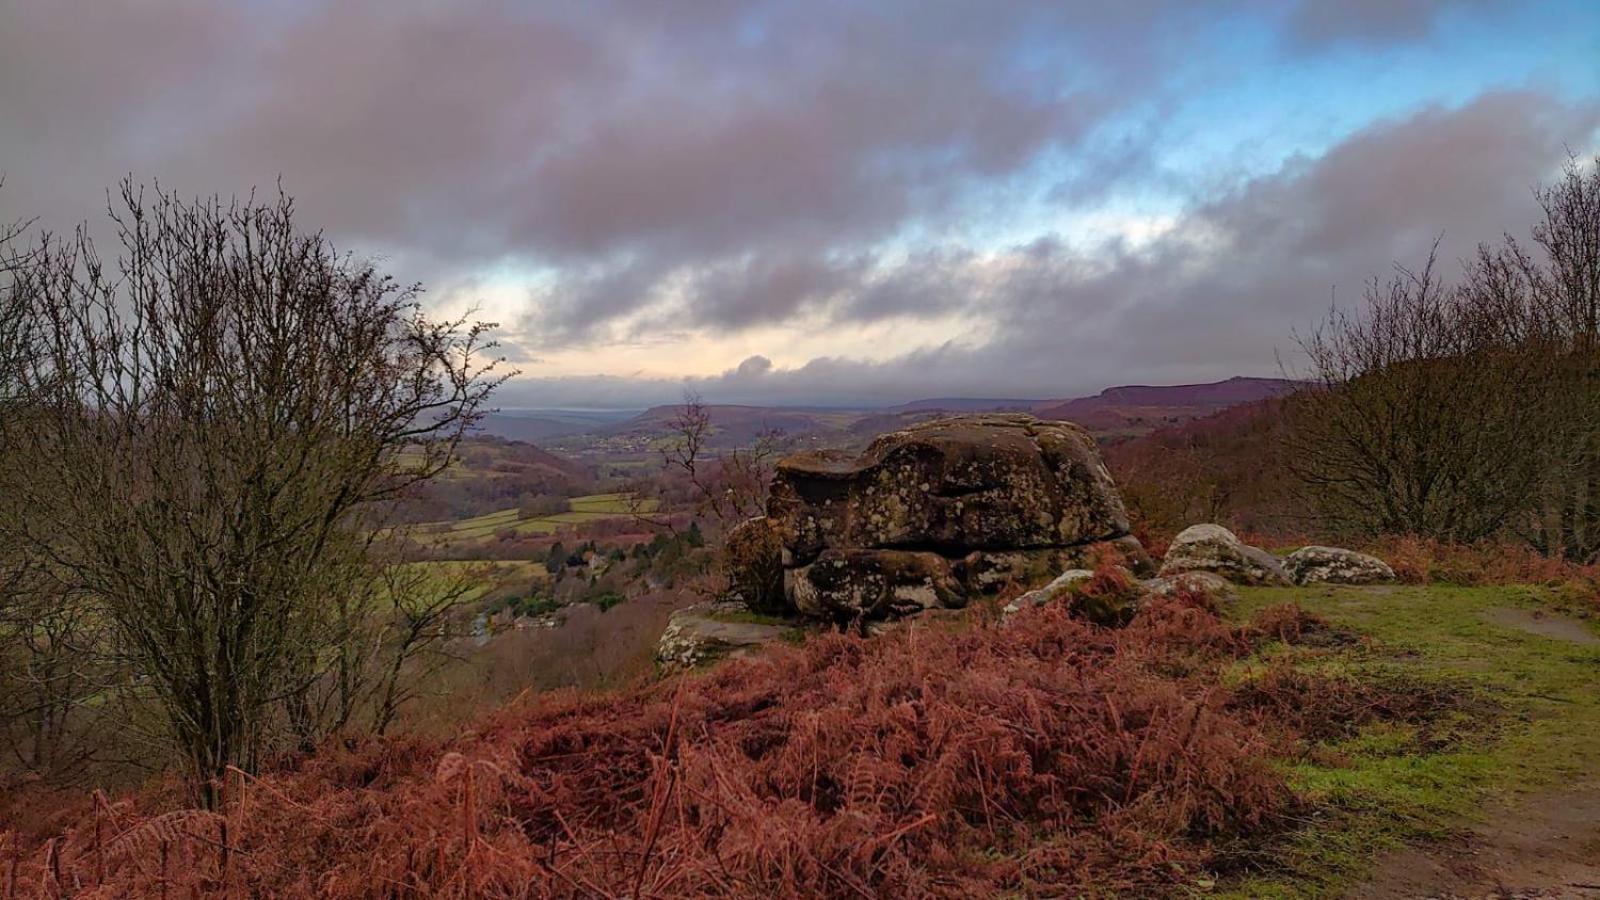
(557, 131)
(619, 143)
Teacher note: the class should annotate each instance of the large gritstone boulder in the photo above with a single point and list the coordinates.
(1212, 548)
(932, 515)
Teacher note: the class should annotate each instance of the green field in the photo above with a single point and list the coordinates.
(590, 508)
(484, 577)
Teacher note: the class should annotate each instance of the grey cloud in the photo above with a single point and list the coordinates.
(606, 135)
(1222, 293)
(726, 164)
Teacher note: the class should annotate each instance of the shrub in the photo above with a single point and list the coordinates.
(1417, 560)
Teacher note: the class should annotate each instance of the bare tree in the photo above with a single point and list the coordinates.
(219, 420)
(1469, 411)
(729, 486)
(1546, 300)
(1413, 418)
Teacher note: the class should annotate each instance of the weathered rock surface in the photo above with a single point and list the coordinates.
(986, 570)
(953, 485)
(1335, 565)
(934, 514)
(706, 632)
(1200, 582)
(1212, 548)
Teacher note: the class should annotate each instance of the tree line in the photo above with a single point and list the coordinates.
(1469, 409)
(205, 434)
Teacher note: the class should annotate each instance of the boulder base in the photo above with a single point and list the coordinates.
(844, 584)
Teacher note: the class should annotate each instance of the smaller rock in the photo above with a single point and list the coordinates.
(706, 632)
(1216, 586)
(1049, 592)
(1335, 565)
(1212, 548)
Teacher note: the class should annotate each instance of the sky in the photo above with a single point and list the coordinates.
(831, 203)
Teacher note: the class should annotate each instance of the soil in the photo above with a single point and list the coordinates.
(1544, 846)
(1544, 624)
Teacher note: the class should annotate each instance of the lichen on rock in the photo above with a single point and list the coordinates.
(1212, 548)
(933, 515)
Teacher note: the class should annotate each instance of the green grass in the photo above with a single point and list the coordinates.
(1386, 790)
(582, 510)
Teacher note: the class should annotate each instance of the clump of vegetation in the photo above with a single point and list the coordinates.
(1048, 756)
(215, 426)
(1418, 560)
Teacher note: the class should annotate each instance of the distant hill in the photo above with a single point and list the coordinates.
(543, 424)
(1131, 410)
(606, 437)
(963, 404)
(500, 456)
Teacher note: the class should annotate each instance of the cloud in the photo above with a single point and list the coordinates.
(1217, 294)
(770, 175)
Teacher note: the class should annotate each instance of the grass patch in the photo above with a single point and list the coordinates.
(1396, 783)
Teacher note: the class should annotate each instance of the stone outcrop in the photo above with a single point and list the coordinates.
(1212, 548)
(935, 514)
(1334, 565)
(873, 583)
(706, 632)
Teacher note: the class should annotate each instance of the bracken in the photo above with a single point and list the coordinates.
(1047, 756)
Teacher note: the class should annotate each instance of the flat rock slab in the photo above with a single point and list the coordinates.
(707, 632)
(1556, 628)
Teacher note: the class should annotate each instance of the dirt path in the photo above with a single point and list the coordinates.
(1544, 846)
(1544, 624)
